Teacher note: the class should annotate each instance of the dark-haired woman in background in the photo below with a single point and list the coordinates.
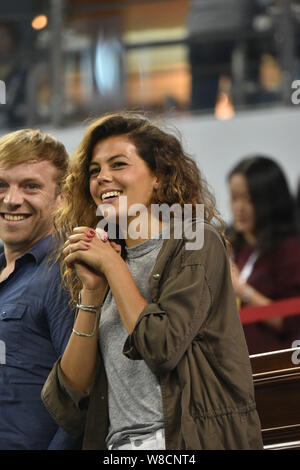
(266, 249)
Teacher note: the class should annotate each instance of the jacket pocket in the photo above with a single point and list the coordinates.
(12, 326)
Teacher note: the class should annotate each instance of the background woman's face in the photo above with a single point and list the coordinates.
(241, 205)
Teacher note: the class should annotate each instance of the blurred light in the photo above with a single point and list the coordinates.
(224, 108)
(262, 23)
(107, 65)
(39, 22)
(155, 35)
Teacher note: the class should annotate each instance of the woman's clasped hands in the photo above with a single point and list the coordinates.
(90, 251)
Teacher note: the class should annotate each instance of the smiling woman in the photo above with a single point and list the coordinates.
(120, 171)
(130, 138)
(150, 324)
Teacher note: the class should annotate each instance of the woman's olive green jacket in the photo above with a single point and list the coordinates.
(191, 337)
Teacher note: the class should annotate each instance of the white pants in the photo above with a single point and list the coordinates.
(154, 441)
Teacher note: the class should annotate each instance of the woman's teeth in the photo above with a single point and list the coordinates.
(110, 194)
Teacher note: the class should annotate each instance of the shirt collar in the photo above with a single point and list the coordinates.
(38, 251)
(42, 248)
(2, 260)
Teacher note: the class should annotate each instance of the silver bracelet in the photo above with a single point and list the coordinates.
(78, 333)
(86, 308)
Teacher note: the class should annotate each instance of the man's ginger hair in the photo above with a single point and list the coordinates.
(33, 145)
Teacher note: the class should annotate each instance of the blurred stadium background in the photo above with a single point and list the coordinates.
(220, 71)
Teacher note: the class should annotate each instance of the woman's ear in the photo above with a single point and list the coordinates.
(156, 183)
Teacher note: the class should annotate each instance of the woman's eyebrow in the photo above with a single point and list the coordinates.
(109, 159)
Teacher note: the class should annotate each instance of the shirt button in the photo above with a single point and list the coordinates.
(155, 276)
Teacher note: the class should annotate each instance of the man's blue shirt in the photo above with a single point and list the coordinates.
(35, 324)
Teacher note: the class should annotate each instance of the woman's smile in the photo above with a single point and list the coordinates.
(117, 170)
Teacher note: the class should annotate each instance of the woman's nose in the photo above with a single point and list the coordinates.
(238, 205)
(104, 175)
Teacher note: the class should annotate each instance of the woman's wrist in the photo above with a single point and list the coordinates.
(111, 264)
(92, 296)
(246, 293)
(252, 297)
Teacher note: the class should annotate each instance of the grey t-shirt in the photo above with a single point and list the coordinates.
(134, 394)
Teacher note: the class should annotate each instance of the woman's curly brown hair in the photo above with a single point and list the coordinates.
(180, 179)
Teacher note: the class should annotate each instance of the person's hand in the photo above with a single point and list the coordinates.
(235, 277)
(89, 252)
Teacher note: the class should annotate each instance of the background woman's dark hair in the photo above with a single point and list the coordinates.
(274, 205)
